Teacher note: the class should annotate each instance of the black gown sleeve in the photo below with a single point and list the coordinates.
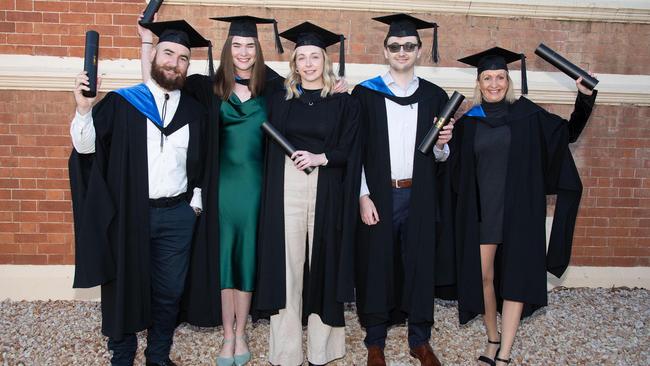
(582, 110)
(94, 207)
(338, 157)
(563, 180)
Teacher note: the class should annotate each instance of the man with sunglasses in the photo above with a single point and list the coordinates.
(396, 241)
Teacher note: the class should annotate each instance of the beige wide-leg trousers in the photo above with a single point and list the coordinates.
(324, 343)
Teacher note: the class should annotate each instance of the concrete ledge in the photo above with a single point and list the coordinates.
(54, 282)
(21, 72)
(628, 11)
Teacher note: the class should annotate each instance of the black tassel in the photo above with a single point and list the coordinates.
(435, 43)
(210, 61)
(524, 78)
(342, 57)
(278, 43)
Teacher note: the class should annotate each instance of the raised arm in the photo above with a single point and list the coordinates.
(146, 47)
(582, 110)
(82, 129)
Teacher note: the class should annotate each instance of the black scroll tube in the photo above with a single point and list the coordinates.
(90, 63)
(448, 112)
(276, 136)
(150, 11)
(565, 66)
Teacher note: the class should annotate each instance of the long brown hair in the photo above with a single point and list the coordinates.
(224, 80)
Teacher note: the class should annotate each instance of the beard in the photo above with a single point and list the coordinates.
(166, 82)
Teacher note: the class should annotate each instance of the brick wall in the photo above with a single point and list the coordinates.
(613, 154)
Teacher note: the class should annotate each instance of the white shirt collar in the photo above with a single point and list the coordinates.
(392, 84)
(388, 79)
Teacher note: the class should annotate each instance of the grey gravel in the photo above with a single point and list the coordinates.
(580, 327)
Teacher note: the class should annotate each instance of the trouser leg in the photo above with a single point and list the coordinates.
(171, 236)
(123, 350)
(285, 341)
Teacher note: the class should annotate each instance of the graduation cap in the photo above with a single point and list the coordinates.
(497, 58)
(308, 34)
(246, 26)
(181, 32)
(404, 25)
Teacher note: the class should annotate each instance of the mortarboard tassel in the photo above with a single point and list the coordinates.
(435, 43)
(278, 43)
(524, 79)
(210, 61)
(342, 56)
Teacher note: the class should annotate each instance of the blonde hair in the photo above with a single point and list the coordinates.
(510, 93)
(293, 79)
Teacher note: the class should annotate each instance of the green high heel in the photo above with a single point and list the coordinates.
(244, 358)
(225, 361)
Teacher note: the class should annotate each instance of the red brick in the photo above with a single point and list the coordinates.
(27, 183)
(19, 194)
(24, 16)
(54, 6)
(54, 206)
(24, 4)
(78, 7)
(51, 17)
(8, 183)
(9, 248)
(28, 228)
(29, 259)
(29, 216)
(8, 27)
(75, 18)
(24, 39)
(52, 249)
(27, 206)
(30, 238)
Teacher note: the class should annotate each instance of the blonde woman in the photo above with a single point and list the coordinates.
(303, 252)
(508, 153)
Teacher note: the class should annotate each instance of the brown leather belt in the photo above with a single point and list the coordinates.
(401, 183)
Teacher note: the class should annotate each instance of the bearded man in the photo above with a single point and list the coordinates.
(135, 175)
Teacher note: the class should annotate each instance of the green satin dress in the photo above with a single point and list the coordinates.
(240, 184)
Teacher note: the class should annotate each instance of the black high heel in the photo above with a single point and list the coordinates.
(502, 360)
(488, 360)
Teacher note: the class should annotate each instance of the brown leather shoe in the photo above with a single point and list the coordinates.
(424, 353)
(376, 356)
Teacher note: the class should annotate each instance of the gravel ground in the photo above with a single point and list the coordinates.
(580, 327)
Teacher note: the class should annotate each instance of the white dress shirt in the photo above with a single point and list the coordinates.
(166, 165)
(402, 130)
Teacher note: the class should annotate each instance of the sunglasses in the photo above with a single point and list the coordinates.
(395, 47)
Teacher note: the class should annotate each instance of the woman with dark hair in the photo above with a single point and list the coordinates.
(235, 99)
(507, 154)
(305, 246)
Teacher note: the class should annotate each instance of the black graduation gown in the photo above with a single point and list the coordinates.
(329, 281)
(539, 163)
(201, 303)
(383, 285)
(110, 196)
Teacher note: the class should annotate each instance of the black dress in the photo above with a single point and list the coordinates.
(491, 145)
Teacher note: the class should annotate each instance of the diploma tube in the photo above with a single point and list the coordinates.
(90, 63)
(447, 113)
(150, 11)
(565, 66)
(276, 136)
